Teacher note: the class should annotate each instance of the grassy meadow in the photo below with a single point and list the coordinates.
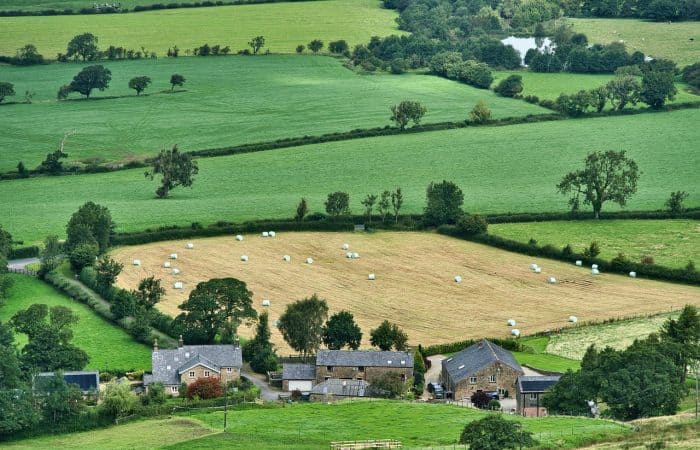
(75, 5)
(225, 101)
(500, 169)
(107, 345)
(284, 25)
(656, 39)
(550, 85)
(671, 243)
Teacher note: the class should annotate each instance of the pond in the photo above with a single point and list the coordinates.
(522, 45)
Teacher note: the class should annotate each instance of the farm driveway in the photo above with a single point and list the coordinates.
(266, 392)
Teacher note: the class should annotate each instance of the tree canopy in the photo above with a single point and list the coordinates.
(338, 204)
(388, 335)
(139, 84)
(443, 203)
(83, 45)
(301, 324)
(6, 90)
(495, 433)
(91, 77)
(407, 111)
(176, 169)
(341, 330)
(92, 223)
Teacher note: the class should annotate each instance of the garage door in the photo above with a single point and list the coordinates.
(301, 385)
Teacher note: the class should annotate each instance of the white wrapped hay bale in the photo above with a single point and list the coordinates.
(573, 319)
(355, 256)
(266, 302)
(538, 270)
(309, 261)
(595, 271)
(286, 258)
(348, 255)
(265, 234)
(189, 245)
(346, 247)
(244, 258)
(594, 266)
(271, 233)
(370, 276)
(511, 322)
(166, 264)
(515, 332)
(239, 237)
(136, 262)
(533, 266)
(177, 285)
(579, 262)
(552, 280)
(173, 256)
(633, 274)
(175, 271)
(458, 279)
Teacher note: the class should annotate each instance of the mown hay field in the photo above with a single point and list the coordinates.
(284, 25)
(670, 243)
(414, 284)
(225, 101)
(500, 169)
(678, 41)
(108, 346)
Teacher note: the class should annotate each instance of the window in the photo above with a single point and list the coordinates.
(191, 373)
(206, 373)
(472, 380)
(173, 388)
(533, 396)
(403, 377)
(329, 368)
(229, 370)
(492, 378)
(361, 369)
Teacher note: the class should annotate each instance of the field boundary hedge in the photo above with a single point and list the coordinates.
(138, 8)
(452, 347)
(31, 251)
(360, 133)
(651, 271)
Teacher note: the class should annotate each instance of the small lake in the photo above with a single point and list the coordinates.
(522, 45)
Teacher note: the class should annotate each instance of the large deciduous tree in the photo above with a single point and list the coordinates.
(106, 272)
(607, 176)
(176, 168)
(388, 335)
(495, 433)
(139, 84)
(301, 324)
(6, 90)
(657, 87)
(407, 111)
(257, 43)
(83, 45)
(91, 77)
(684, 332)
(341, 330)
(622, 91)
(149, 292)
(443, 203)
(510, 86)
(315, 45)
(176, 80)
(216, 308)
(338, 204)
(91, 224)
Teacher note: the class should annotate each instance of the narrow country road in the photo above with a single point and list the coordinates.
(267, 393)
(21, 263)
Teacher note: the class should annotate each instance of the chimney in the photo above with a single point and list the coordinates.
(155, 345)
(180, 343)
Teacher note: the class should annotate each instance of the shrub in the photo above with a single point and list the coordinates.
(647, 259)
(510, 87)
(620, 263)
(675, 202)
(205, 388)
(472, 224)
(567, 250)
(494, 405)
(480, 399)
(480, 113)
(155, 395)
(300, 48)
(592, 251)
(82, 255)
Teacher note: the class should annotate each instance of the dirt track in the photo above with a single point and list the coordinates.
(414, 284)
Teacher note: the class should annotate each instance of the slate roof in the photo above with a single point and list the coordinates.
(474, 358)
(347, 388)
(87, 380)
(168, 363)
(536, 384)
(298, 372)
(364, 358)
(199, 359)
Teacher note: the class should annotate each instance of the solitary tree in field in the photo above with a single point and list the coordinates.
(6, 90)
(608, 176)
(257, 43)
(139, 84)
(176, 80)
(407, 111)
(301, 324)
(316, 45)
(338, 203)
(443, 203)
(368, 203)
(83, 45)
(91, 77)
(177, 169)
(341, 330)
(675, 202)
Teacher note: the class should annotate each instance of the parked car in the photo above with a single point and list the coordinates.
(437, 390)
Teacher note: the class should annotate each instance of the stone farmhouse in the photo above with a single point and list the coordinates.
(528, 391)
(186, 363)
(361, 365)
(483, 366)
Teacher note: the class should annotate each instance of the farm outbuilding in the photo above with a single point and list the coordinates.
(298, 377)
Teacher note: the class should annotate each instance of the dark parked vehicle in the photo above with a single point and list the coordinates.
(437, 390)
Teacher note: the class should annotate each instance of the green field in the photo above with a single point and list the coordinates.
(671, 243)
(500, 169)
(284, 25)
(75, 5)
(656, 39)
(227, 101)
(573, 342)
(550, 85)
(535, 355)
(108, 346)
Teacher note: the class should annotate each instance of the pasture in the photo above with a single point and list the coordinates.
(108, 346)
(679, 41)
(671, 243)
(225, 101)
(284, 25)
(550, 85)
(500, 169)
(414, 284)
(75, 5)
